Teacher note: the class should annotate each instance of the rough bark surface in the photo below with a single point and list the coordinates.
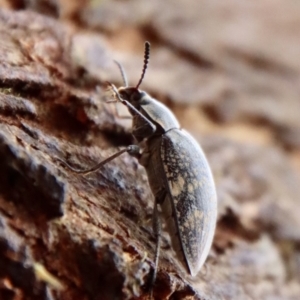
(230, 72)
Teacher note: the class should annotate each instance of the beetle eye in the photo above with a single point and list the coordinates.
(136, 96)
(124, 95)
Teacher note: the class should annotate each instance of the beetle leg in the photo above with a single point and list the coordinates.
(156, 223)
(139, 131)
(133, 150)
(116, 110)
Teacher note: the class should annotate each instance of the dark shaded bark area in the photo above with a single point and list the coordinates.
(231, 85)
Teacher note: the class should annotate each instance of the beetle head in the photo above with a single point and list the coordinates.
(132, 95)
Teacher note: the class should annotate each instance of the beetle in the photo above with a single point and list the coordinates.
(178, 172)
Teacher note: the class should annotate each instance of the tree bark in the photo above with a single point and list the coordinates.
(68, 236)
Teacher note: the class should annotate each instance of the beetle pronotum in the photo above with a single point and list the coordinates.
(178, 173)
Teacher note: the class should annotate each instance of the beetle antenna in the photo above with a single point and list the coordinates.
(146, 60)
(123, 74)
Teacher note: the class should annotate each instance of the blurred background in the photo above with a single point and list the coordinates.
(230, 71)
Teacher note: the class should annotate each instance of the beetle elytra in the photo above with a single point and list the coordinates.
(178, 173)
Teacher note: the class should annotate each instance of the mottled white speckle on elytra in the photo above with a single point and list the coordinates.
(188, 224)
(195, 183)
(194, 171)
(200, 183)
(178, 186)
(169, 175)
(190, 188)
(198, 214)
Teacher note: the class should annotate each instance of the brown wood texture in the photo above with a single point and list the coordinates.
(230, 72)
